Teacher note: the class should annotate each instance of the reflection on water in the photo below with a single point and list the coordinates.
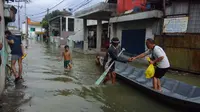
(48, 88)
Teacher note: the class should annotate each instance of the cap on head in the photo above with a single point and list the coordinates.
(151, 41)
(115, 40)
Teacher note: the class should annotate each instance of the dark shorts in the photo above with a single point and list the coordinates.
(15, 57)
(160, 72)
(66, 63)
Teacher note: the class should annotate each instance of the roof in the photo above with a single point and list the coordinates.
(35, 23)
(137, 16)
(101, 11)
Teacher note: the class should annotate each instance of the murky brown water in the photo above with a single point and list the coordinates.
(48, 88)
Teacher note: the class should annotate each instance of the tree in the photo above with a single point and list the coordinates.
(52, 15)
(45, 24)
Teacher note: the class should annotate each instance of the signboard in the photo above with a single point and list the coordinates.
(175, 25)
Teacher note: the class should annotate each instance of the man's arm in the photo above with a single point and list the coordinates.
(157, 60)
(141, 55)
(116, 58)
(10, 41)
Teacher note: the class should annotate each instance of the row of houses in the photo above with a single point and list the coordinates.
(69, 29)
(174, 24)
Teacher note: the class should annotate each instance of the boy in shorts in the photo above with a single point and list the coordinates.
(67, 58)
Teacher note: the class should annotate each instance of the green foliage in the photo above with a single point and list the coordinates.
(45, 24)
(52, 15)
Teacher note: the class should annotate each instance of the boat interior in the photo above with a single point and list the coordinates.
(170, 87)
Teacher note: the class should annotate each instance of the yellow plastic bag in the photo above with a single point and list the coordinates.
(150, 70)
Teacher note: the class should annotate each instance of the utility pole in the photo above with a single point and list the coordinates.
(164, 7)
(48, 30)
(18, 18)
(164, 14)
(60, 26)
(26, 22)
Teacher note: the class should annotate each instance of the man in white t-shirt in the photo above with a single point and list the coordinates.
(159, 58)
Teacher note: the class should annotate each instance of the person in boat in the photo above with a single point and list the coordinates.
(159, 59)
(112, 55)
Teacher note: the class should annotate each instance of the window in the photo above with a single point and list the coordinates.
(70, 24)
(32, 29)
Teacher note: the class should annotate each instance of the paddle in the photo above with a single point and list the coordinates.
(102, 77)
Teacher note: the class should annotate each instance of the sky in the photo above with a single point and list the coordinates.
(38, 6)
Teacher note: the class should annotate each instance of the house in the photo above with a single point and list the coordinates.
(72, 32)
(101, 13)
(34, 29)
(182, 35)
(77, 40)
(60, 28)
(173, 25)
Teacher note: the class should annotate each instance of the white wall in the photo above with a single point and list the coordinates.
(32, 34)
(94, 22)
(67, 21)
(37, 28)
(4, 50)
(78, 30)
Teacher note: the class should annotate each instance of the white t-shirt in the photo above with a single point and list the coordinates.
(159, 52)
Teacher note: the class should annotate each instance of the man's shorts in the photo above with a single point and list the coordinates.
(15, 57)
(66, 63)
(160, 72)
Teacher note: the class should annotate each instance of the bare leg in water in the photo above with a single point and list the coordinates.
(108, 77)
(13, 62)
(113, 77)
(20, 67)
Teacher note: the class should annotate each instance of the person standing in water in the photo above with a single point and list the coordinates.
(112, 55)
(17, 53)
(67, 58)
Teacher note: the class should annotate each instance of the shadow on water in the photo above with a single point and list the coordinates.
(61, 79)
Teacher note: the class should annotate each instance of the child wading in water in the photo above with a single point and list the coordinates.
(67, 58)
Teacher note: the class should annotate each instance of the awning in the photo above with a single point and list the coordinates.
(101, 11)
(138, 16)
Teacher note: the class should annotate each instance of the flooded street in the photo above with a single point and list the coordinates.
(48, 88)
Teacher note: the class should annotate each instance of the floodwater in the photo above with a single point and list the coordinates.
(48, 88)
